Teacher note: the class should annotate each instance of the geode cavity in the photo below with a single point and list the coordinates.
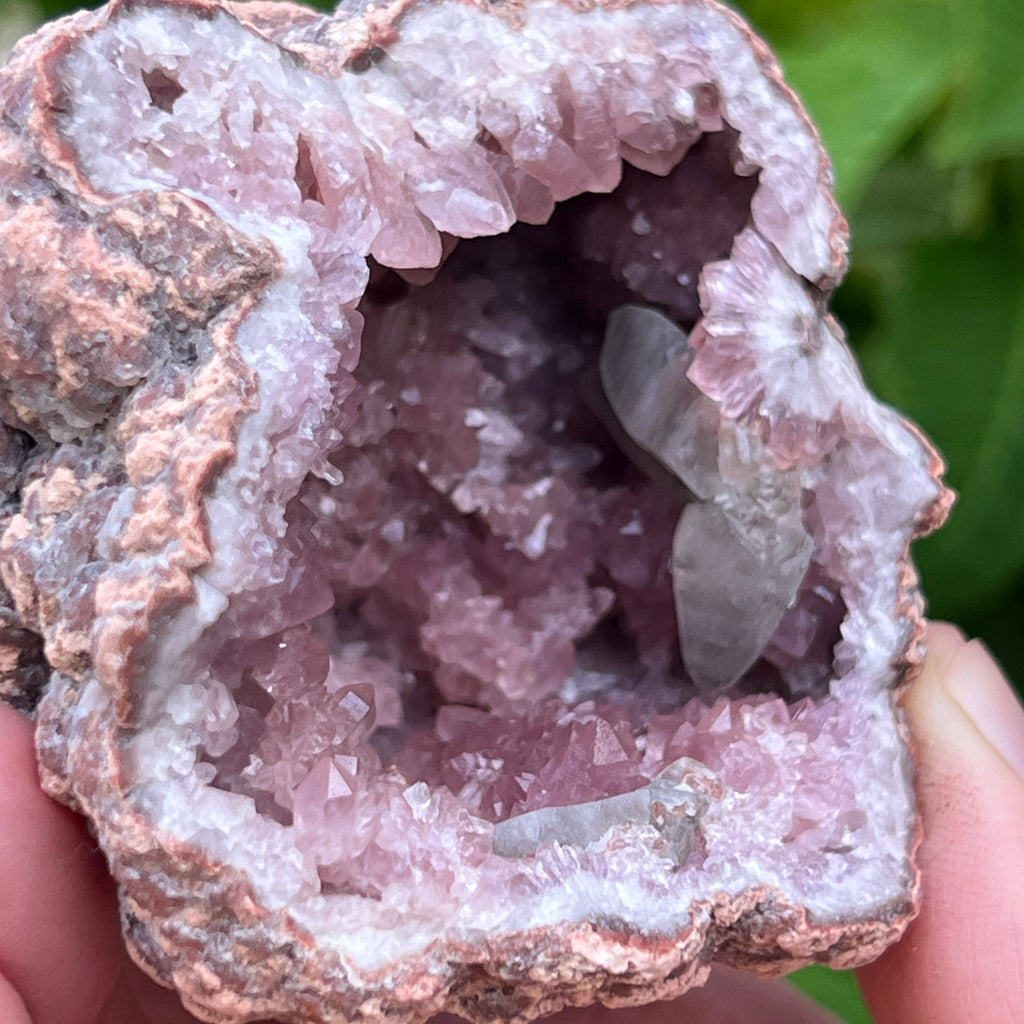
(450, 552)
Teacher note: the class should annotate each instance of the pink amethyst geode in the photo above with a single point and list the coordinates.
(447, 546)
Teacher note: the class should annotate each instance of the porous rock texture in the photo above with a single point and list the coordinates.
(447, 546)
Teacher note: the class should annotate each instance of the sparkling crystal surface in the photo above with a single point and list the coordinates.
(447, 545)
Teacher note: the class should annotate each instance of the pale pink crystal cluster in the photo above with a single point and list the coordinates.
(451, 552)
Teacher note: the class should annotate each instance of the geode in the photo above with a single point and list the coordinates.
(447, 546)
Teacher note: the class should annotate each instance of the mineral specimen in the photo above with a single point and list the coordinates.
(448, 549)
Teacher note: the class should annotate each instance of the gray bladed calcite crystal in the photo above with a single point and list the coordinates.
(738, 558)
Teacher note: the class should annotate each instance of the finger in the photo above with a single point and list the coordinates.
(729, 997)
(962, 960)
(138, 999)
(158, 1005)
(59, 934)
(150, 1002)
(12, 1008)
(123, 1007)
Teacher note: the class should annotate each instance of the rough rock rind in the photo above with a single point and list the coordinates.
(136, 405)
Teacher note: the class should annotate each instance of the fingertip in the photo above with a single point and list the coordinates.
(16, 748)
(59, 933)
(727, 997)
(962, 960)
(976, 683)
(12, 1008)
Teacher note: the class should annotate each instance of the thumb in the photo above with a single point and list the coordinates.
(962, 960)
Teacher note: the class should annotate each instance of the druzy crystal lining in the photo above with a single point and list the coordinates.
(470, 560)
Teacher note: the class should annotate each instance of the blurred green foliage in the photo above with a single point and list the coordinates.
(836, 990)
(921, 104)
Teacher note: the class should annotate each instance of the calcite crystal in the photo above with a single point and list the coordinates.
(448, 549)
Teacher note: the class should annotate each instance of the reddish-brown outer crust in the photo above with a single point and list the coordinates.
(172, 891)
(169, 475)
(911, 606)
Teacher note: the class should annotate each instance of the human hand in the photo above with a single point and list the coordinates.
(962, 962)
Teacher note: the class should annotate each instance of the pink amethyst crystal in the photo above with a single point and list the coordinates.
(447, 546)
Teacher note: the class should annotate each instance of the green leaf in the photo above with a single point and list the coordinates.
(787, 23)
(949, 351)
(49, 9)
(836, 990)
(998, 621)
(870, 79)
(986, 116)
(910, 200)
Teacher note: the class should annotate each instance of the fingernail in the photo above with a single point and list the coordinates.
(977, 684)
